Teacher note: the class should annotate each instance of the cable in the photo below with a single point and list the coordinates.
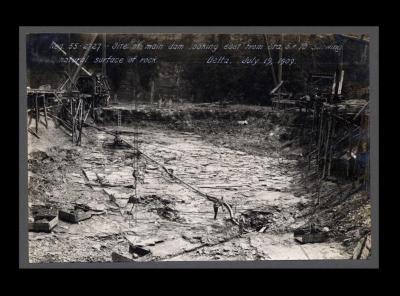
(170, 174)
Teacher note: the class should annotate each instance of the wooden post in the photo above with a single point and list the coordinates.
(331, 147)
(37, 112)
(272, 65)
(104, 48)
(77, 108)
(81, 122)
(78, 122)
(320, 133)
(93, 113)
(313, 118)
(352, 163)
(327, 143)
(72, 118)
(280, 62)
(280, 70)
(74, 77)
(152, 92)
(323, 137)
(311, 140)
(87, 112)
(45, 109)
(30, 116)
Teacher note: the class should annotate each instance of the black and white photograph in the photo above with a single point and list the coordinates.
(191, 147)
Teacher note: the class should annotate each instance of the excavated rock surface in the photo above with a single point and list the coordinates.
(179, 220)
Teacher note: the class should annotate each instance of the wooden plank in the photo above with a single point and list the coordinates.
(70, 58)
(340, 82)
(33, 133)
(276, 88)
(83, 59)
(334, 84)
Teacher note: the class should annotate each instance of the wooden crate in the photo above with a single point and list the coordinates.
(43, 225)
(308, 238)
(74, 216)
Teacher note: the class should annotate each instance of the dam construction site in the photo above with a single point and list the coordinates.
(156, 165)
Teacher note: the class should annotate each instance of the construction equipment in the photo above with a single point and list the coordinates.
(77, 95)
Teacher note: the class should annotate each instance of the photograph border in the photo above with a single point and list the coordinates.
(371, 263)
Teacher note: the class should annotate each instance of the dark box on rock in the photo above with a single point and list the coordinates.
(43, 225)
(74, 216)
(318, 237)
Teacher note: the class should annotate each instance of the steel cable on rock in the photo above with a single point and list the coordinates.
(207, 196)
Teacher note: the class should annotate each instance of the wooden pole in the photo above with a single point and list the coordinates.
(37, 113)
(83, 60)
(272, 65)
(152, 92)
(320, 133)
(311, 139)
(104, 45)
(80, 122)
(280, 70)
(77, 108)
(327, 147)
(280, 62)
(30, 115)
(33, 133)
(88, 111)
(331, 147)
(72, 118)
(313, 118)
(45, 109)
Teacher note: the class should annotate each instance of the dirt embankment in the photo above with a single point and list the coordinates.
(253, 129)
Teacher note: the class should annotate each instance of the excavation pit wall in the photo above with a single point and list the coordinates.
(254, 129)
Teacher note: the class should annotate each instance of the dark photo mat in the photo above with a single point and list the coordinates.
(372, 262)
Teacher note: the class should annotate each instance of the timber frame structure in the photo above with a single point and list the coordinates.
(78, 96)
